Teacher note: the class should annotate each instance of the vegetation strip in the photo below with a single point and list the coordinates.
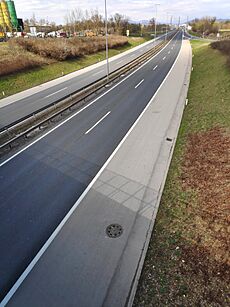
(44, 69)
(187, 263)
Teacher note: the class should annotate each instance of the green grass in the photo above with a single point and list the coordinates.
(194, 33)
(182, 267)
(22, 81)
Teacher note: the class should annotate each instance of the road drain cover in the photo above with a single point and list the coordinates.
(114, 231)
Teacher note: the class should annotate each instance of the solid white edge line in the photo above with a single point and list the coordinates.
(65, 219)
(98, 122)
(56, 92)
(85, 107)
(139, 83)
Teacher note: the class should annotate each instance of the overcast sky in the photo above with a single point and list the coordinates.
(55, 10)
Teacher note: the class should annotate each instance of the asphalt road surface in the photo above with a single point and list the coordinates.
(40, 184)
(21, 108)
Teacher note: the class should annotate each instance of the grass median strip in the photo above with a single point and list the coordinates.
(187, 263)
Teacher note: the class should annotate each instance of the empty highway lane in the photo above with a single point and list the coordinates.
(40, 184)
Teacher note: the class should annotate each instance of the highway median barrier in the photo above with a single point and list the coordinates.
(10, 135)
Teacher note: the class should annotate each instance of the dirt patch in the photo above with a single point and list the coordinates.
(206, 169)
(187, 263)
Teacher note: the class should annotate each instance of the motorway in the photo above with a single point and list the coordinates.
(22, 107)
(40, 184)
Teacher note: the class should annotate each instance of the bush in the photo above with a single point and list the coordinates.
(16, 64)
(62, 49)
(224, 47)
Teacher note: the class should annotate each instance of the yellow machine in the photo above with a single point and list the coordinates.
(5, 14)
(2, 21)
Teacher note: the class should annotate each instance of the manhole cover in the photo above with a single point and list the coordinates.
(114, 231)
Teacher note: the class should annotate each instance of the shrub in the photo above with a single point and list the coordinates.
(224, 47)
(16, 59)
(62, 49)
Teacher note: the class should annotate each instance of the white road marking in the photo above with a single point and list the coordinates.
(172, 48)
(169, 52)
(155, 67)
(85, 107)
(139, 83)
(97, 73)
(164, 58)
(29, 268)
(98, 122)
(56, 92)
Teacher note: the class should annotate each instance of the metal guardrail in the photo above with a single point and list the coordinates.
(24, 126)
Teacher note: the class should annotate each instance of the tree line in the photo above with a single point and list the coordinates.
(208, 25)
(78, 20)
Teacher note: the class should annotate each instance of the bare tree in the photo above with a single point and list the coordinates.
(97, 21)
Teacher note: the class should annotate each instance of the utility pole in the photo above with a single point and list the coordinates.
(171, 20)
(166, 27)
(106, 42)
(156, 4)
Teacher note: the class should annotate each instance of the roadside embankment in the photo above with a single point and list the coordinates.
(188, 262)
(21, 69)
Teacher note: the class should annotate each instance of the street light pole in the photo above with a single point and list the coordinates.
(166, 28)
(106, 42)
(156, 4)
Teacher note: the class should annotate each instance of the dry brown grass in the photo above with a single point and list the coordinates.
(62, 49)
(21, 54)
(14, 59)
(206, 169)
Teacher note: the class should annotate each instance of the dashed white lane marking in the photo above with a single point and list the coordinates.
(98, 122)
(164, 58)
(25, 273)
(139, 83)
(74, 207)
(155, 67)
(169, 52)
(56, 92)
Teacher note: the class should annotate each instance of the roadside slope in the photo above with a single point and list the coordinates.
(21, 81)
(187, 263)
